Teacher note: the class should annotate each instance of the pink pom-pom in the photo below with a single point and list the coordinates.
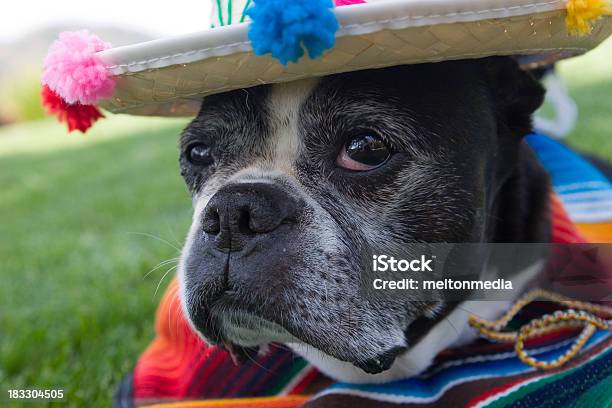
(73, 71)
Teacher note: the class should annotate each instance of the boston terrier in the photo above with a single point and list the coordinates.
(293, 183)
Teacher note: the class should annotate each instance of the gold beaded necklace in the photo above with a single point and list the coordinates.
(590, 316)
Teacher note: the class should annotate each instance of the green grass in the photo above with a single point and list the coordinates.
(589, 79)
(75, 306)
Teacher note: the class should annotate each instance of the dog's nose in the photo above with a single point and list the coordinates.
(238, 213)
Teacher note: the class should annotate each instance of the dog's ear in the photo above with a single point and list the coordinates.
(516, 93)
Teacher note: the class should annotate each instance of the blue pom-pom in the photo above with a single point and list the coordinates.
(283, 28)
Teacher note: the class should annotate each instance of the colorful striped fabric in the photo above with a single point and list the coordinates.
(585, 192)
(263, 402)
(479, 379)
(179, 370)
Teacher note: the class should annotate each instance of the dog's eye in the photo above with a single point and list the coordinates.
(363, 152)
(199, 154)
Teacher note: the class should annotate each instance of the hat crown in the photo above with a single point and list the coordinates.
(228, 12)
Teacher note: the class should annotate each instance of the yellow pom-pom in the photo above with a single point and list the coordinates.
(582, 13)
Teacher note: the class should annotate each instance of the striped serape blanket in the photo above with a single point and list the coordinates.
(585, 192)
(178, 370)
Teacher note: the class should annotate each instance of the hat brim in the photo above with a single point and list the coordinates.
(169, 77)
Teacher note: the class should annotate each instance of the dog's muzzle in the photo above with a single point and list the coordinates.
(241, 257)
(254, 273)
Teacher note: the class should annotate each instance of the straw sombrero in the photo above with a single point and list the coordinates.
(253, 42)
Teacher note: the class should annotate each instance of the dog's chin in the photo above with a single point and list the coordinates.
(244, 334)
(245, 329)
(241, 333)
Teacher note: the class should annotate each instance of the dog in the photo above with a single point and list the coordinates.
(292, 183)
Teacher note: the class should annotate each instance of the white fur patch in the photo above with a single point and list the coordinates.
(285, 102)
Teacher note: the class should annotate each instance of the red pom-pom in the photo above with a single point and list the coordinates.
(77, 116)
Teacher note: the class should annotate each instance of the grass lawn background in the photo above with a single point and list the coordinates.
(83, 219)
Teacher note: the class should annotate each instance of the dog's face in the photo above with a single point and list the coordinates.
(292, 184)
